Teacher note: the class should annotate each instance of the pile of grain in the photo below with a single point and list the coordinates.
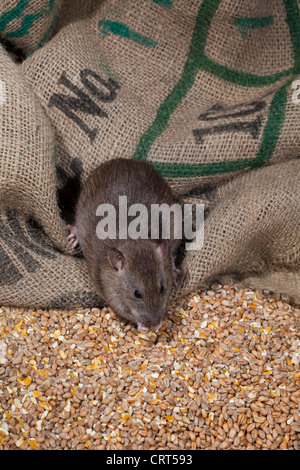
(222, 373)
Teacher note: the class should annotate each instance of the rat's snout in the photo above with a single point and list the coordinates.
(149, 321)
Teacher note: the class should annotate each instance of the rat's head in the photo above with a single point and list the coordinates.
(139, 282)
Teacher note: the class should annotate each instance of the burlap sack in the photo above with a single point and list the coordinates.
(252, 234)
(206, 92)
(197, 88)
(33, 268)
(28, 24)
(34, 273)
(27, 149)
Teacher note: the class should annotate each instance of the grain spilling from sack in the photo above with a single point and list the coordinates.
(222, 373)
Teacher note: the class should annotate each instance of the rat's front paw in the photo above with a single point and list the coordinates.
(73, 240)
(142, 328)
(176, 275)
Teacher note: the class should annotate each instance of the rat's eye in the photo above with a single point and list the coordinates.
(137, 294)
(162, 290)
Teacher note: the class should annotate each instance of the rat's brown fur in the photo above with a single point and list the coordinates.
(147, 265)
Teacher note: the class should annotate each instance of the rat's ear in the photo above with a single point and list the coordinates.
(116, 259)
(162, 248)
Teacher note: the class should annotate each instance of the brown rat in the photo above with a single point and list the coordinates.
(134, 276)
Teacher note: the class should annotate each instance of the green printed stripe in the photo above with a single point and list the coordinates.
(166, 109)
(122, 30)
(164, 3)
(241, 78)
(273, 127)
(27, 23)
(268, 144)
(293, 21)
(10, 15)
(182, 170)
(251, 23)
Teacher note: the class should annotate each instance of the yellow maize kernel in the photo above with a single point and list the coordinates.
(27, 381)
(170, 418)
